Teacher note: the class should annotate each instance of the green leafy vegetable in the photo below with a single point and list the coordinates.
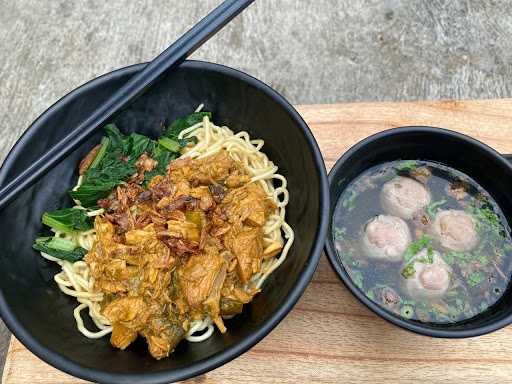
(407, 165)
(475, 278)
(431, 209)
(59, 248)
(117, 163)
(68, 220)
(169, 144)
(113, 168)
(183, 123)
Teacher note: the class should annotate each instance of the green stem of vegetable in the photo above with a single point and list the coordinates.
(105, 142)
(62, 244)
(55, 224)
(169, 144)
(60, 248)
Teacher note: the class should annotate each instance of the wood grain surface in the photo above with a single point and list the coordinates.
(329, 337)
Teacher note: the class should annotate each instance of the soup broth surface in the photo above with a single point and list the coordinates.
(446, 262)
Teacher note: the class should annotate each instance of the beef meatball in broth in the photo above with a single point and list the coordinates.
(455, 230)
(404, 197)
(385, 238)
(430, 280)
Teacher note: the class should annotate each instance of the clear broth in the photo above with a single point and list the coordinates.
(478, 278)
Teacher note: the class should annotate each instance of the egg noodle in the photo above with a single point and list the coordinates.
(75, 278)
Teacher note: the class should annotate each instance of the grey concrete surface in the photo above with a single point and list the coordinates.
(318, 51)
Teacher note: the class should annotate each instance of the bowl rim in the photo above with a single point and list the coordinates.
(62, 362)
(343, 275)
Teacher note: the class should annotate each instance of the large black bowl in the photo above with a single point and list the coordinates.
(41, 316)
(482, 163)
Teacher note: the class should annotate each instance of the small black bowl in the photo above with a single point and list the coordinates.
(41, 317)
(486, 166)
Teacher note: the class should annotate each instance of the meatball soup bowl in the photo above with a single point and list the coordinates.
(420, 233)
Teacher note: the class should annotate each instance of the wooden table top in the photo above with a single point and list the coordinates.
(329, 337)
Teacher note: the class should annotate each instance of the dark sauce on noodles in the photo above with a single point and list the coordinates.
(465, 281)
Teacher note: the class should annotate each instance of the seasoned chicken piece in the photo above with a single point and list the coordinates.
(109, 260)
(212, 303)
(248, 204)
(162, 336)
(145, 163)
(247, 246)
(122, 336)
(110, 286)
(159, 347)
(153, 251)
(200, 275)
(204, 197)
(230, 307)
(213, 169)
(125, 309)
(237, 179)
(272, 249)
(140, 236)
(183, 230)
(234, 295)
(128, 316)
(117, 269)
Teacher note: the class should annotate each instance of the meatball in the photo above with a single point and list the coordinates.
(455, 230)
(404, 197)
(429, 280)
(385, 238)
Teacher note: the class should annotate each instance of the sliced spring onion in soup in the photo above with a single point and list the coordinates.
(432, 207)
(407, 311)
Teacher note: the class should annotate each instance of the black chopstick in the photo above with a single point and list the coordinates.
(168, 59)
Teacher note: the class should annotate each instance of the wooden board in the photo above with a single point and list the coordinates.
(329, 337)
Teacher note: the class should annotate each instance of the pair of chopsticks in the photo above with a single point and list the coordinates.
(173, 56)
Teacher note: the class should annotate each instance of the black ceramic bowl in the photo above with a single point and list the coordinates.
(491, 170)
(41, 316)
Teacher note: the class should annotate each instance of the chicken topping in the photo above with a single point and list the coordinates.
(179, 250)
